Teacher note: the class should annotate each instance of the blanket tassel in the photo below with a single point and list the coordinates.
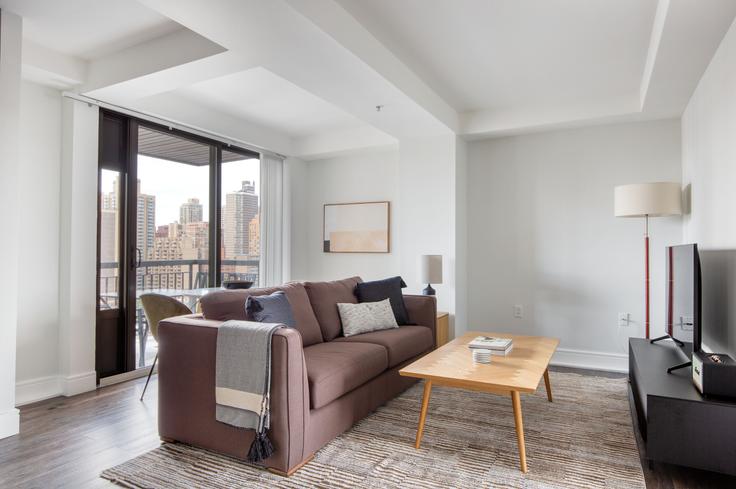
(260, 449)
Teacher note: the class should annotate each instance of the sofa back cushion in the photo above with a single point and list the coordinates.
(224, 305)
(324, 297)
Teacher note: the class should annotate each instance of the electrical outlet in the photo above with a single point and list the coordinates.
(518, 311)
(687, 323)
(624, 319)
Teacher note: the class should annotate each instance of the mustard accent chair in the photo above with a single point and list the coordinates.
(157, 307)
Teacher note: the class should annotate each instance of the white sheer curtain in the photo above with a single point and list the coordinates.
(272, 221)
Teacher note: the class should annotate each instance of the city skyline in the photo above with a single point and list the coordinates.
(190, 182)
(180, 234)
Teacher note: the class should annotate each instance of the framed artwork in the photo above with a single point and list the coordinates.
(357, 227)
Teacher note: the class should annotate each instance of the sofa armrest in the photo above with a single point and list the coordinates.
(422, 310)
(187, 357)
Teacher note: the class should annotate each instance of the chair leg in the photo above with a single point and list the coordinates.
(155, 359)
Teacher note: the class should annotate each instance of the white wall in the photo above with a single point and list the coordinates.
(709, 152)
(460, 322)
(709, 167)
(427, 212)
(37, 360)
(541, 233)
(11, 30)
(424, 180)
(359, 177)
(78, 247)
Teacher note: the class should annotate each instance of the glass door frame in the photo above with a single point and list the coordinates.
(126, 156)
(112, 334)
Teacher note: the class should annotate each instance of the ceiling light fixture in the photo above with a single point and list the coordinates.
(378, 108)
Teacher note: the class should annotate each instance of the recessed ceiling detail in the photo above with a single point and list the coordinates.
(310, 76)
(89, 29)
(260, 96)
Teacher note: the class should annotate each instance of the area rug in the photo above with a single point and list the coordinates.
(584, 439)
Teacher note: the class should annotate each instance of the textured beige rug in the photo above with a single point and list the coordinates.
(582, 440)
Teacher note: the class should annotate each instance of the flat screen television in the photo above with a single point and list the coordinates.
(682, 298)
(718, 320)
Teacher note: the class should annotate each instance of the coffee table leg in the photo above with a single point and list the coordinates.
(547, 385)
(423, 412)
(516, 401)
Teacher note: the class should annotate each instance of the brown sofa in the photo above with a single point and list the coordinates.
(322, 383)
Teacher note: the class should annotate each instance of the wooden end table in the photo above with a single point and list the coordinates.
(518, 372)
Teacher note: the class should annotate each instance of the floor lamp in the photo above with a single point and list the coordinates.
(648, 200)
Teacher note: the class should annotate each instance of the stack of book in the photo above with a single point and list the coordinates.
(483, 347)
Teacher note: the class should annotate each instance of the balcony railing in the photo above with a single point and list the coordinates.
(172, 274)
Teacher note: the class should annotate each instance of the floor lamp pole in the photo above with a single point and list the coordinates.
(646, 267)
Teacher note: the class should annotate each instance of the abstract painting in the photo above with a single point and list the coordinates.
(359, 227)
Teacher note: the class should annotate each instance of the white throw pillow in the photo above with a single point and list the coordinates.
(366, 317)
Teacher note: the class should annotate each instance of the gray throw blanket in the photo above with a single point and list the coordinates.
(243, 380)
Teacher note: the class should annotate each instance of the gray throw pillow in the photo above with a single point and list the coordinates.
(273, 308)
(366, 317)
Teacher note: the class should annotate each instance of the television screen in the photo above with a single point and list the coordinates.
(683, 296)
(719, 301)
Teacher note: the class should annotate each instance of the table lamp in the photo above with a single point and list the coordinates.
(430, 272)
(647, 200)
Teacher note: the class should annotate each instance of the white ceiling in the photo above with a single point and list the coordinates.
(496, 54)
(309, 73)
(88, 29)
(259, 96)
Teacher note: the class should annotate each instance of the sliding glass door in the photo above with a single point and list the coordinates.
(178, 214)
(172, 224)
(241, 224)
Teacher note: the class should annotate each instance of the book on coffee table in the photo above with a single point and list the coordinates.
(491, 343)
(500, 352)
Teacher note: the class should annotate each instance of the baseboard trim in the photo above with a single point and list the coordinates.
(79, 383)
(591, 360)
(42, 388)
(9, 423)
(125, 377)
(34, 390)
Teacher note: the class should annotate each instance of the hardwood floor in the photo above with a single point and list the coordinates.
(67, 442)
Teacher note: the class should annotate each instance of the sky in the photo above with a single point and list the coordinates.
(173, 183)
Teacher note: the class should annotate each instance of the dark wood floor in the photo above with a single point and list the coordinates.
(67, 442)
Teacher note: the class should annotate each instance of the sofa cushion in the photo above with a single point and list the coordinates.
(272, 308)
(366, 317)
(334, 369)
(224, 305)
(402, 343)
(324, 297)
(388, 288)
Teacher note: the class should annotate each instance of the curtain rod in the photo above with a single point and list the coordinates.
(171, 124)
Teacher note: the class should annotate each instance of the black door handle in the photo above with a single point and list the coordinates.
(139, 256)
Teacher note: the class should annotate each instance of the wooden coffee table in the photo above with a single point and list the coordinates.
(518, 372)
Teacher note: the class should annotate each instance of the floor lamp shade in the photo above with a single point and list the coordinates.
(430, 271)
(648, 199)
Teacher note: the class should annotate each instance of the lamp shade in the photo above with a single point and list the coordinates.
(648, 199)
(430, 269)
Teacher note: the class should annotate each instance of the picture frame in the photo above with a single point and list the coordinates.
(356, 227)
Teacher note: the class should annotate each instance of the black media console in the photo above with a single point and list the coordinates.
(678, 424)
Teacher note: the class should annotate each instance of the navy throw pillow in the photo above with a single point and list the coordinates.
(274, 308)
(379, 290)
